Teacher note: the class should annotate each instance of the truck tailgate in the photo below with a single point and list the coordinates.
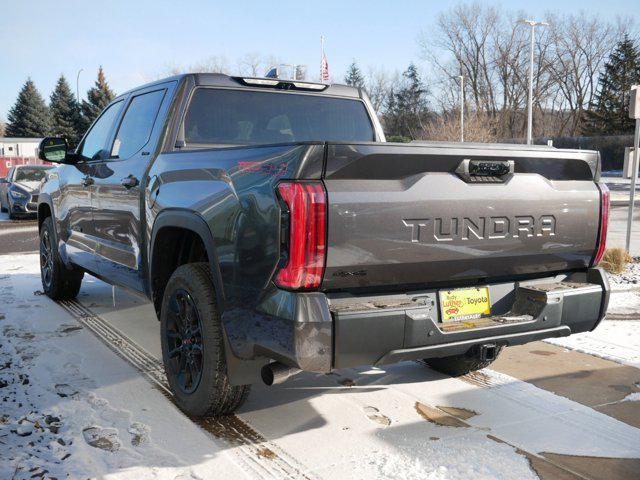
(413, 214)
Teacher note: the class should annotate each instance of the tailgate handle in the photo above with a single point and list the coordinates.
(490, 171)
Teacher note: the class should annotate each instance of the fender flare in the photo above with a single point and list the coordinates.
(188, 220)
(45, 198)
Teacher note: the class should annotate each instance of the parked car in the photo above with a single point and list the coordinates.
(20, 188)
(275, 231)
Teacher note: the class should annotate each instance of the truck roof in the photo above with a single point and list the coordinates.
(238, 81)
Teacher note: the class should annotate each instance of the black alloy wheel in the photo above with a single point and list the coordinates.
(184, 341)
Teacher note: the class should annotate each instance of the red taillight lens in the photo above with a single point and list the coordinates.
(307, 204)
(604, 223)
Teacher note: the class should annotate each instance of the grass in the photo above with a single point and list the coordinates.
(615, 260)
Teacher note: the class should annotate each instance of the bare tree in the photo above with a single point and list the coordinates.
(212, 64)
(256, 64)
(446, 127)
(491, 50)
(580, 45)
(378, 83)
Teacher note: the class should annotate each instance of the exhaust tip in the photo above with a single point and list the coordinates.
(275, 373)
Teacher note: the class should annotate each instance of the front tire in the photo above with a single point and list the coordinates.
(58, 282)
(193, 347)
(457, 365)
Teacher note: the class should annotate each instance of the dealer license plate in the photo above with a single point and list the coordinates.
(464, 304)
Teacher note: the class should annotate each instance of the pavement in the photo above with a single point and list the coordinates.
(619, 189)
(541, 410)
(18, 235)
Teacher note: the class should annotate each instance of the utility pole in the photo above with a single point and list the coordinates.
(533, 24)
(78, 85)
(461, 77)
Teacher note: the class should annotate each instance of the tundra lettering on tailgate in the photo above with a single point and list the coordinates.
(447, 229)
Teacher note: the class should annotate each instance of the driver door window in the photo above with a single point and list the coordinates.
(93, 147)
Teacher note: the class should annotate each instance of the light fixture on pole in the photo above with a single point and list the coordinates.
(533, 24)
(78, 85)
(461, 77)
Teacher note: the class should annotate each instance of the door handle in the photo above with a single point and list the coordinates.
(129, 182)
(87, 181)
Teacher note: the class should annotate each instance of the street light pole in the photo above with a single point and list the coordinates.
(533, 24)
(461, 107)
(78, 85)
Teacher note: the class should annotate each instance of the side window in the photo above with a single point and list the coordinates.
(95, 141)
(136, 126)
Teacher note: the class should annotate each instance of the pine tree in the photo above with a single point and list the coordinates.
(98, 98)
(64, 112)
(29, 117)
(354, 77)
(407, 105)
(608, 113)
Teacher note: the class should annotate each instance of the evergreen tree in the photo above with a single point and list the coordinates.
(354, 77)
(64, 112)
(29, 117)
(608, 114)
(407, 106)
(98, 98)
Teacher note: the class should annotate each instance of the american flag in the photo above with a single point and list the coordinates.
(324, 64)
(324, 69)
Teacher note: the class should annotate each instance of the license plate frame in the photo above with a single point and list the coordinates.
(464, 304)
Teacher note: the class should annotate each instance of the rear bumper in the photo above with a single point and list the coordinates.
(318, 333)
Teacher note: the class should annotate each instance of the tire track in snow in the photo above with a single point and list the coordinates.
(258, 456)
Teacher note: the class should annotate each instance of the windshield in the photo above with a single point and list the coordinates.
(30, 174)
(245, 117)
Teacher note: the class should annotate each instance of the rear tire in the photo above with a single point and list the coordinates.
(58, 282)
(193, 345)
(457, 365)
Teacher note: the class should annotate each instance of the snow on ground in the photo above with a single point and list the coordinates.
(69, 406)
(617, 339)
(68, 394)
(628, 279)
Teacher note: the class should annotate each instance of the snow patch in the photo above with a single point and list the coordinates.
(615, 340)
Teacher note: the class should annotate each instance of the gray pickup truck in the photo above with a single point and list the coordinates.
(275, 230)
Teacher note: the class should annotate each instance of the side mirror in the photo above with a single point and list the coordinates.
(3, 180)
(53, 149)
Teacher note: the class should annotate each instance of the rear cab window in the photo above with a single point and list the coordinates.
(227, 117)
(138, 121)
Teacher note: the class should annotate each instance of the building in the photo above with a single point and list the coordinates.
(19, 147)
(18, 151)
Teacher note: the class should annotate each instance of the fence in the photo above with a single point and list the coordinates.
(611, 147)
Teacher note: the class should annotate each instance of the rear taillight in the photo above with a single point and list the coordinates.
(305, 244)
(604, 223)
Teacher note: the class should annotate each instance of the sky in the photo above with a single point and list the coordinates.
(138, 41)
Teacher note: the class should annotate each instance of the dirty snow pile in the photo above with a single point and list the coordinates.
(70, 408)
(630, 278)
